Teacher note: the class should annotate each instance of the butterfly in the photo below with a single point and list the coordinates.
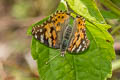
(57, 32)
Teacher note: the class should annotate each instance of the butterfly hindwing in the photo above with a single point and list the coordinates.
(79, 41)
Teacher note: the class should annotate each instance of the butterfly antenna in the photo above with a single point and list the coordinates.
(52, 59)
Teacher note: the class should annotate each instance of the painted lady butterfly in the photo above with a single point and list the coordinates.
(57, 33)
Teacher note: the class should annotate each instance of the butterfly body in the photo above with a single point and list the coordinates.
(66, 39)
(58, 33)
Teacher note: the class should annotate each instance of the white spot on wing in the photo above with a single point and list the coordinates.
(37, 30)
(50, 42)
(83, 49)
(38, 25)
(84, 29)
(79, 48)
(73, 48)
(41, 24)
(32, 32)
(42, 38)
(83, 42)
(83, 19)
(40, 30)
(36, 36)
(33, 28)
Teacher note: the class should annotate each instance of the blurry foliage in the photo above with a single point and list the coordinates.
(28, 8)
(21, 9)
(116, 2)
(45, 7)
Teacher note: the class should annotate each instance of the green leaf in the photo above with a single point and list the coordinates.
(92, 64)
(87, 9)
(62, 6)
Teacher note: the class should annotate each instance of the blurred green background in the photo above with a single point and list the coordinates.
(16, 16)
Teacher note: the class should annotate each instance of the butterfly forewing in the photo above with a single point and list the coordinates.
(51, 32)
(79, 41)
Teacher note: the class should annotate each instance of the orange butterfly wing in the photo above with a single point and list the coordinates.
(79, 41)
